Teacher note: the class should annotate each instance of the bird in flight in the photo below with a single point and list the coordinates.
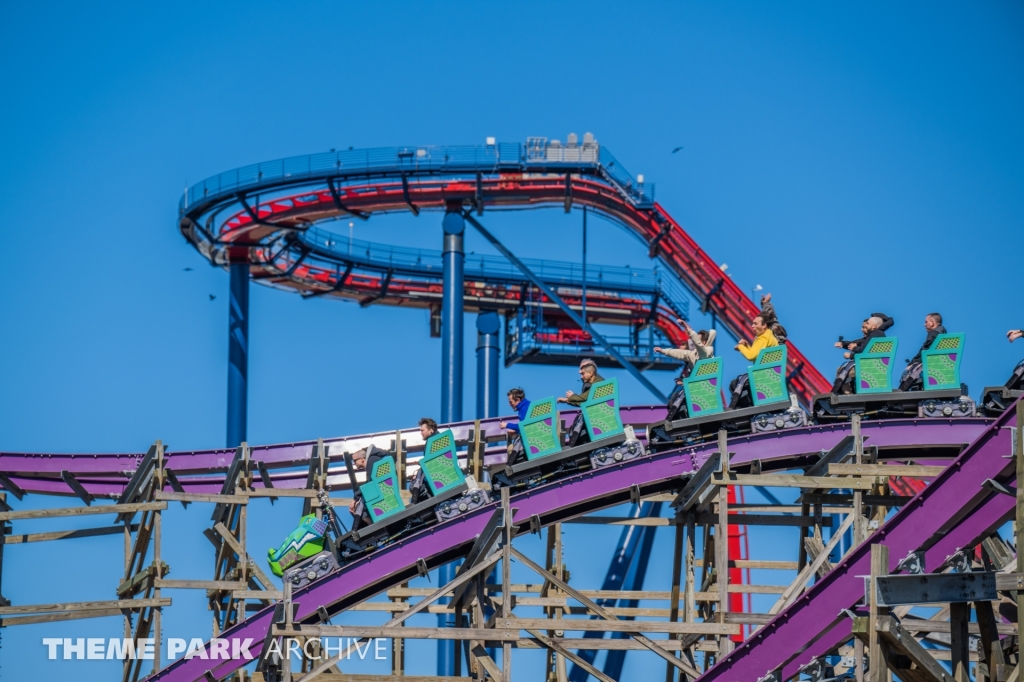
(188, 269)
(212, 297)
(676, 149)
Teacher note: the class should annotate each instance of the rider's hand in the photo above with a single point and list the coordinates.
(568, 394)
(838, 344)
(352, 506)
(847, 356)
(1014, 334)
(657, 349)
(765, 298)
(503, 425)
(851, 346)
(562, 400)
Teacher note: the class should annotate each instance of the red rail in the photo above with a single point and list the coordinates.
(667, 240)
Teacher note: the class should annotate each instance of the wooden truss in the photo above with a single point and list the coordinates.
(688, 623)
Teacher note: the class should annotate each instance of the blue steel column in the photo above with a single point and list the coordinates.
(238, 354)
(451, 374)
(487, 325)
(451, 315)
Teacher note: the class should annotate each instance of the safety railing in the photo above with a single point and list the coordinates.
(417, 160)
(425, 262)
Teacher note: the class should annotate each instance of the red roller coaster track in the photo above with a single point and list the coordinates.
(245, 235)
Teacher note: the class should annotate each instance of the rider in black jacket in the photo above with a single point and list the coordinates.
(872, 328)
(911, 379)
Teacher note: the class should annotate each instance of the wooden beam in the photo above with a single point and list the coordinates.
(796, 587)
(942, 626)
(898, 639)
(555, 645)
(408, 613)
(59, 617)
(82, 511)
(84, 606)
(722, 542)
(201, 497)
(265, 595)
(487, 662)
(793, 481)
(876, 653)
(906, 470)
(223, 531)
(847, 498)
(11, 487)
(199, 585)
(76, 487)
(1018, 451)
(697, 485)
(588, 625)
(352, 677)
(959, 641)
(372, 632)
(65, 534)
(991, 651)
(688, 669)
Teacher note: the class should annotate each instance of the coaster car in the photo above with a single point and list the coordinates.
(997, 399)
(703, 412)
(610, 443)
(452, 493)
(943, 395)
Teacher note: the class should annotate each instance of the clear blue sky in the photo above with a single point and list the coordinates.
(847, 157)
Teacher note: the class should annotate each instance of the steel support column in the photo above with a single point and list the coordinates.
(451, 314)
(453, 260)
(569, 312)
(487, 325)
(238, 354)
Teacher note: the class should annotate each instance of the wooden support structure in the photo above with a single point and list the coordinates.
(693, 610)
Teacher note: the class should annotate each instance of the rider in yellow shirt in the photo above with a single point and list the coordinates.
(763, 338)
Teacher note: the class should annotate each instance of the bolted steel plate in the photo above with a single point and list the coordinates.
(935, 588)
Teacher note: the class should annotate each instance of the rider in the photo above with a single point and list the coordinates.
(589, 376)
(518, 402)
(911, 379)
(1016, 382)
(871, 328)
(418, 487)
(363, 460)
(763, 338)
(771, 320)
(699, 347)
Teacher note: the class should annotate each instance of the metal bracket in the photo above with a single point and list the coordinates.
(535, 524)
(421, 568)
(815, 670)
(324, 616)
(772, 676)
(913, 563)
(960, 561)
(634, 493)
(997, 487)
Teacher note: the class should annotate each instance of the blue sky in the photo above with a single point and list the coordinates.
(847, 157)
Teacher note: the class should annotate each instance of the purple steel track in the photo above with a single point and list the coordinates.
(588, 491)
(953, 512)
(105, 475)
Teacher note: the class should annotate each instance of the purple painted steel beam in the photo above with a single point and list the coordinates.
(953, 506)
(993, 513)
(376, 572)
(202, 471)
